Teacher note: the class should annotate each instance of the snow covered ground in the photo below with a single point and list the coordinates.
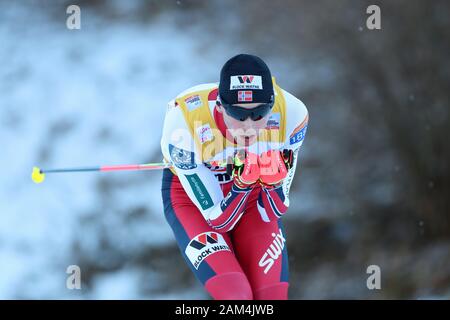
(79, 98)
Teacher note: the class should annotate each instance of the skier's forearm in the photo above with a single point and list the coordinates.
(272, 203)
(224, 215)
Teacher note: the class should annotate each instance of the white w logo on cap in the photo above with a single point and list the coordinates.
(245, 82)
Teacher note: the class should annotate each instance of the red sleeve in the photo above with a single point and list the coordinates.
(231, 209)
(271, 203)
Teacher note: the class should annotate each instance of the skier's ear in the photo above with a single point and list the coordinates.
(219, 107)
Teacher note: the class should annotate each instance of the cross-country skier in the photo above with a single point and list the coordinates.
(227, 222)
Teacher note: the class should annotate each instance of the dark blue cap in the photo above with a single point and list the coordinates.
(245, 78)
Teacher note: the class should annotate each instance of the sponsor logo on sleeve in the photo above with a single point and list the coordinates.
(245, 82)
(204, 245)
(299, 132)
(199, 190)
(182, 159)
(299, 136)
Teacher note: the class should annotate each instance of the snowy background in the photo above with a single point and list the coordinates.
(373, 181)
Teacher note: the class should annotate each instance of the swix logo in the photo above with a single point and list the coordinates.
(245, 79)
(273, 252)
(203, 245)
(245, 82)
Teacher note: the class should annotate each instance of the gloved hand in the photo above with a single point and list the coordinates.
(245, 169)
(273, 166)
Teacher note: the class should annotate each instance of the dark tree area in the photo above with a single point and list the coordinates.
(384, 104)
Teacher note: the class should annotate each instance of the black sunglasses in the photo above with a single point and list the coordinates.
(241, 114)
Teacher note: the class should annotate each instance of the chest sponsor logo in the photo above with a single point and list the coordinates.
(223, 177)
(204, 133)
(274, 121)
(220, 172)
(193, 102)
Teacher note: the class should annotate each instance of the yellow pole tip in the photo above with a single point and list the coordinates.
(37, 176)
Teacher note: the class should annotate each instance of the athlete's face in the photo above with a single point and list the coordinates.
(245, 132)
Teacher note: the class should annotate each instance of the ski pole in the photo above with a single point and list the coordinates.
(38, 175)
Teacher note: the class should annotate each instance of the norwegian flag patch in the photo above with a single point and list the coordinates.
(245, 96)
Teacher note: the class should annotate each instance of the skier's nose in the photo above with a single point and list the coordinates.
(248, 123)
